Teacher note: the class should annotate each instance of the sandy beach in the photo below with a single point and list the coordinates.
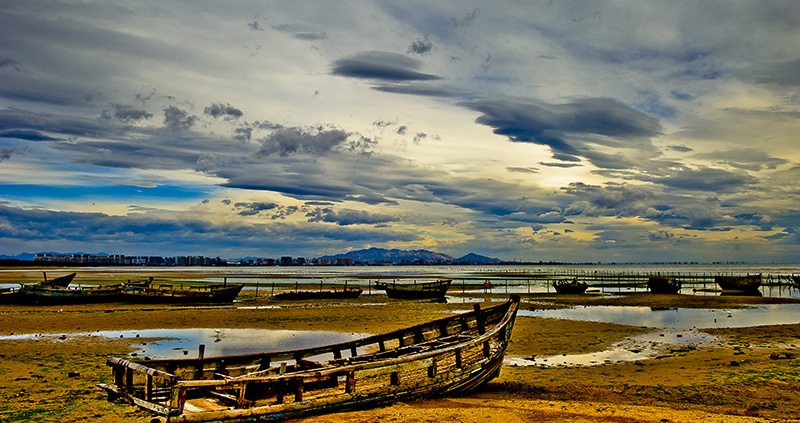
(746, 375)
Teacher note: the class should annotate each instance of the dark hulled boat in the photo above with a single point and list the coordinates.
(150, 292)
(42, 294)
(444, 357)
(415, 290)
(662, 285)
(744, 284)
(343, 294)
(567, 286)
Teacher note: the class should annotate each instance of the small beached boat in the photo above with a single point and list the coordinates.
(415, 290)
(43, 294)
(59, 282)
(744, 284)
(444, 357)
(346, 293)
(567, 286)
(662, 285)
(149, 292)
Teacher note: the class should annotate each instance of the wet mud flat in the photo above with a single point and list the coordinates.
(746, 374)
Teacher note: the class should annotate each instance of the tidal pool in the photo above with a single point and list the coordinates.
(679, 326)
(185, 343)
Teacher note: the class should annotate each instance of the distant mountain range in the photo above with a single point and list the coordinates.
(396, 256)
(370, 255)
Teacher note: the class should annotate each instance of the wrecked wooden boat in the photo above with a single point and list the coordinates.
(148, 291)
(662, 285)
(51, 295)
(739, 284)
(59, 282)
(415, 290)
(567, 286)
(342, 294)
(447, 356)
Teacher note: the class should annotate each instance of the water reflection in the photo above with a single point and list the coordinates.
(185, 343)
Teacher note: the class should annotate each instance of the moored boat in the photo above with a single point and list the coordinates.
(444, 357)
(570, 286)
(43, 294)
(749, 283)
(59, 282)
(662, 285)
(346, 293)
(415, 290)
(150, 292)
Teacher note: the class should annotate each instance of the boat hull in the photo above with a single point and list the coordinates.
(749, 283)
(661, 285)
(421, 291)
(448, 356)
(180, 295)
(318, 295)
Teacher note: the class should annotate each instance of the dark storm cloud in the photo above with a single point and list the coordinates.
(346, 217)
(561, 126)
(176, 118)
(781, 74)
(127, 113)
(251, 209)
(226, 111)
(26, 135)
(301, 32)
(14, 119)
(8, 64)
(7, 152)
(421, 89)
(421, 47)
(381, 65)
(705, 179)
(747, 159)
(286, 141)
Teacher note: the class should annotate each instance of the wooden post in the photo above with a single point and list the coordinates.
(432, 369)
(458, 359)
(479, 319)
(351, 382)
(298, 390)
(202, 352)
(256, 291)
(148, 388)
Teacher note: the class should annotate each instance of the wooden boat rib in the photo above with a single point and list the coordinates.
(443, 357)
(415, 291)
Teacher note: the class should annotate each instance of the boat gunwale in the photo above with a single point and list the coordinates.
(325, 372)
(289, 354)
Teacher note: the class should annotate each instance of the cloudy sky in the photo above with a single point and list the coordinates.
(531, 130)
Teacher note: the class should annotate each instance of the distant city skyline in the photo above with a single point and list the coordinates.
(632, 131)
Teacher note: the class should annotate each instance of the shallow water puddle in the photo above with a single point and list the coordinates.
(635, 348)
(676, 327)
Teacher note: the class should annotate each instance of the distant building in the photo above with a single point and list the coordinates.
(286, 261)
(344, 261)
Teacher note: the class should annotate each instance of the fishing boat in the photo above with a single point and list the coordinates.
(570, 286)
(342, 294)
(744, 284)
(20, 295)
(148, 291)
(415, 291)
(662, 285)
(44, 294)
(444, 357)
(59, 282)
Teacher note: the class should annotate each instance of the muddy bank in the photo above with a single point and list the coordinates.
(750, 374)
